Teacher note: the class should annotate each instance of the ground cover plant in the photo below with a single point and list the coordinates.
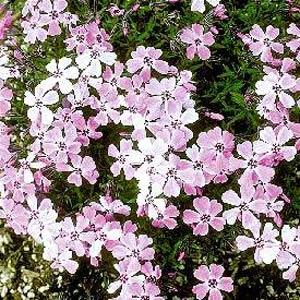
(149, 149)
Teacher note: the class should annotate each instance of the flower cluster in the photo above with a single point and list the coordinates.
(89, 88)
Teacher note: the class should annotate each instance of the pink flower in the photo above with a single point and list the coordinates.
(146, 59)
(275, 85)
(252, 163)
(15, 215)
(81, 167)
(5, 23)
(77, 39)
(244, 208)
(166, 217)
(52, 14)
(74, 235)
(220, 12)
(135, 247)
(59, 145)
(198, 5)
(265, 243)
(216, 142)
(33, 28)
(115, 11)
(263, 43)
(205, 215)
(272, 143)
(128, 270)
(294, 44)
(125, 159)
(87, 129)
(197, 41)
(6, 96)
(212, 282)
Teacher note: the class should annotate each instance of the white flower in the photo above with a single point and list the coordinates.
(91, 60)
(27, 164)
(61, 72)
(4, 69)
(38, 102)
(198, 5)
(150, 198)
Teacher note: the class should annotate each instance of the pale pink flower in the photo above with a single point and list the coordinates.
(52, 14)
(42, 224)
(82, 167)
(265, 243)
(252, 164)
(205, 215)
(33, 28)
(212, 282)
(198, 5)
(74, 235)
(197, 41)
(134, 247)
(276, 86)
(125, 159)
(6, 96)
(146, 59)
(245, 206)
(128, 276)
(216, 142)
(294, 44)
(263, 43)
(61, 260)
(272, 143)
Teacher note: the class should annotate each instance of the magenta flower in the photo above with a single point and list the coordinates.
(212, 282)
(205, 215)
(5, 23)
(197, 41)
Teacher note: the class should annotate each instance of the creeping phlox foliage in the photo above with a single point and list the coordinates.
(153, 99)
